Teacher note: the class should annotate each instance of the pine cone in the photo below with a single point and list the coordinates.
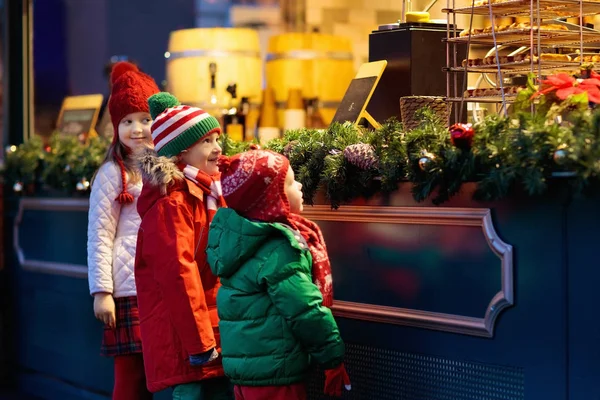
(289, 147)
(361, 155)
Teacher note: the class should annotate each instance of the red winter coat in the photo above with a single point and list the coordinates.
(175, 287)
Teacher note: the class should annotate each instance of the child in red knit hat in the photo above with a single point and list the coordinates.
(276, 283)
(113, 227)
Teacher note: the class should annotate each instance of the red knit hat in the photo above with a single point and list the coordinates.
(130, 91)
(253, 185)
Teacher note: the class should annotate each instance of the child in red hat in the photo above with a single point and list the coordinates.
(113, 227)
(276, 281)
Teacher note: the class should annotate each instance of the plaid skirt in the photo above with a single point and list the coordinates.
(126, 337)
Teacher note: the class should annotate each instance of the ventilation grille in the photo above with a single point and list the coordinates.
(391, 375)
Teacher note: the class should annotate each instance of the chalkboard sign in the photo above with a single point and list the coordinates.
(76, 122)
(356, 97)
(354, 103)
(78, 116)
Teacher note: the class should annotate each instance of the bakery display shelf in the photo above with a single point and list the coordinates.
(571, 38)
(519, 67)
(548, 8)
(523, 37)
(482, 99)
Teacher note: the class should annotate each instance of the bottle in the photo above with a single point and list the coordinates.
(212, 69)
(244, 110)
(268, 128)
(313, 116)
(294, 116)
(233, 120)
(212, 106)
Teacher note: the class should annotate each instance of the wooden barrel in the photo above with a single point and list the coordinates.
(320, 65)
(235, 51)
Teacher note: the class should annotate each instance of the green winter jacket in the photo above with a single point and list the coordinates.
(272, 322)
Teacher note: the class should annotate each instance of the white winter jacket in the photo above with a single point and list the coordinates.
(112, 234)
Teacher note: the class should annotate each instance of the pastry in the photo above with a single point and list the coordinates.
(555, 57)
(553, 27)
(485, 92)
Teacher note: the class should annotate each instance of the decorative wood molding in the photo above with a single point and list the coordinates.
(48, 267)
(476, 217)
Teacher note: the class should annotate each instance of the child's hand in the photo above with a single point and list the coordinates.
(104, 309)
(334, 380)
(200, 359)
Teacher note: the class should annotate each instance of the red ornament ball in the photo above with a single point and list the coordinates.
(461, 135)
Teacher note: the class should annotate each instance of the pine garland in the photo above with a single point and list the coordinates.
(69, 162)
(522, 151)
(57, 166)
(230, 147)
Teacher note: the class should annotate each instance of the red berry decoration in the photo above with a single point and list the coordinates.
(461, 135)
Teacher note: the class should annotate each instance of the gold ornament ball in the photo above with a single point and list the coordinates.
(82, 185)
(424, 163)
(560, 156)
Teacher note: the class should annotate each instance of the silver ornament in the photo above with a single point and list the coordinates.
(18, 187)
(560, 156)
(67, 168)
(80, 186)
(425, 160)
(424, 163)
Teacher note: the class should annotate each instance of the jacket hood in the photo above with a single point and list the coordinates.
(159, 175)
(233, 240)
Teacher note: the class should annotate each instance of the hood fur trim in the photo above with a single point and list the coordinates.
(158, 170)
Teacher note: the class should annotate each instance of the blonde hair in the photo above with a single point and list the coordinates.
(118, 153)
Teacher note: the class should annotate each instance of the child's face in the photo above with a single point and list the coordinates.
(134, 130)
(293, 191)
(204, 154)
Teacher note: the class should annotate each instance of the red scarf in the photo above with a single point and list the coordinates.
(210, 185)
(321, 268)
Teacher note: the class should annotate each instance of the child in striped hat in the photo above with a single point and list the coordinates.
(176, 288)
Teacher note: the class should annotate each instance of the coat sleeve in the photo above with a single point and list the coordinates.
(103, 219)
(298, 300)
(171, 248)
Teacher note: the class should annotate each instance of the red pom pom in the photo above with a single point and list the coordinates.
(125, 198)
(461, 135)
(121, 68)
(223, 163)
